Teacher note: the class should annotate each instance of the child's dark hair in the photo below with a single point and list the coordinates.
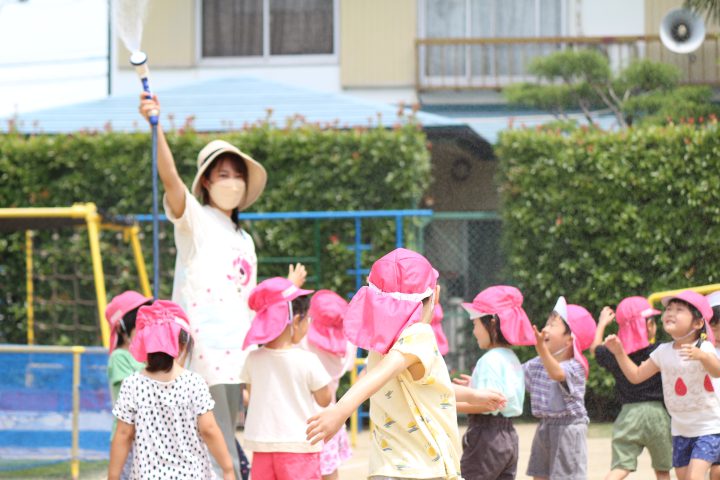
(694, 312)
(301, 305)
(161, 361)
(568, 330)
(492, 325)
(716, 315)
(127, 324)
(240, 166)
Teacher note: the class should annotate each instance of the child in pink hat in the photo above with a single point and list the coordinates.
(556, 382)
(686, 366)
(120, 314)
(165, 409)
(643, 421)
(326, 339)
(714, 301)
(491, 443)
(412, 400)
(286, 384)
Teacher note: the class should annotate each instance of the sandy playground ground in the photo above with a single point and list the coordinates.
(598, 454)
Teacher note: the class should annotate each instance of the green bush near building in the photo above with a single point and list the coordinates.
(599, 216)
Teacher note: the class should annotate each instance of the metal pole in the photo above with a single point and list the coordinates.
(358, 257)
(139, 259)
(93, 224)
(75, 454)
(29, 287)
(399, 231)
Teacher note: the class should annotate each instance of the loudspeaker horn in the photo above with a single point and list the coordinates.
(682, 30)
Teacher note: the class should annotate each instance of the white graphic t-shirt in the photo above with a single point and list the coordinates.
(688, 390)
(215, 270)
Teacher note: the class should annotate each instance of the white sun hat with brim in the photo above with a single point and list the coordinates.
(256, 177)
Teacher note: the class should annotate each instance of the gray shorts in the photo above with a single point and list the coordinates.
(490, 448)
(559, 449)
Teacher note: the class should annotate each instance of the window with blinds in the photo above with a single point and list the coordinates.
(267, 28)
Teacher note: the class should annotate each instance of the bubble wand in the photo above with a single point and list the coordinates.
(138, 60)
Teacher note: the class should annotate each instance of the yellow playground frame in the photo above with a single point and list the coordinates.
(29, 219)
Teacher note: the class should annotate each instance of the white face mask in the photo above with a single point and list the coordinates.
(227, 193)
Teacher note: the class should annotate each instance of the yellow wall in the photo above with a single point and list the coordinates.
(168, 35)
(377, 42)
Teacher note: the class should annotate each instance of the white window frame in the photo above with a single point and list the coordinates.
(467, 77)
(266, 59)
(422, 30)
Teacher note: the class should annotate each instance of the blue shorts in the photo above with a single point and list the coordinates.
(704, 447)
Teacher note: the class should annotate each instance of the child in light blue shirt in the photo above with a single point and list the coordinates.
(490, 445)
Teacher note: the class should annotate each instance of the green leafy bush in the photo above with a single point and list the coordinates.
(309, 168)
(599, 216)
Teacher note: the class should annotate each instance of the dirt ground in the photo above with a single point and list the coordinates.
(598, 454)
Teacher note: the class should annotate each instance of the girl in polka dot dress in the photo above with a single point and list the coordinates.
(166, 409)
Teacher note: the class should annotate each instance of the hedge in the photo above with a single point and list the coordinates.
(309, 168)
(599, 216)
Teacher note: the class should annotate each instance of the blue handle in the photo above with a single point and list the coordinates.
(146, 89)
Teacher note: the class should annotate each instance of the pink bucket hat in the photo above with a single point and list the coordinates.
(698, 301)
(582, 325)
(436, 325)
(271, 302)
(392, 300)
(631, 315)
(158, 328)
(505, 302)
(326, 310)
(118, 307)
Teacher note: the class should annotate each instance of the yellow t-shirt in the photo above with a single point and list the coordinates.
(415, 431)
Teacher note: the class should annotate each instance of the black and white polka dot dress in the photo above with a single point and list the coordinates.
(167, 442)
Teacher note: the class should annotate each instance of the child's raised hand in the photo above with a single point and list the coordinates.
(324, 425)
(149, 106)
(297, 274)
(690, 351)
(463, 380)
(539, 339)
(607, 316)
(613, 343)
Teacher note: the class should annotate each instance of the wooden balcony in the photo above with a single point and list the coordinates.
(492, 63)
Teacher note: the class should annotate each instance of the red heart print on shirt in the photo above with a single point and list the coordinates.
(680, 387)
(708, 384)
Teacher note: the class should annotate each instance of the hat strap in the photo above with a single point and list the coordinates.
(405, 297)
(210, 155)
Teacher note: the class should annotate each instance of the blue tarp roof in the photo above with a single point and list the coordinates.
(220, 105)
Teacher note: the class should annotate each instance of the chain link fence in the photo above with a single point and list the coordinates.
(465, 248)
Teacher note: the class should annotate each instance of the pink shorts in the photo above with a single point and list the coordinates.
(285, 466)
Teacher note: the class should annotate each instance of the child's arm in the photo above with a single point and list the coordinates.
(120, 448)
(552, 366)
(323, 397)
(606, 318)
(327, 423)
(486, 400)
(709, 360)
(213, 437)
(634, 373)
(174, 186)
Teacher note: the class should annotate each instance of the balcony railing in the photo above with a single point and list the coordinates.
(492, 63)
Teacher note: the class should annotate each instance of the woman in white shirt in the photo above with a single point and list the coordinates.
(216, 265)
